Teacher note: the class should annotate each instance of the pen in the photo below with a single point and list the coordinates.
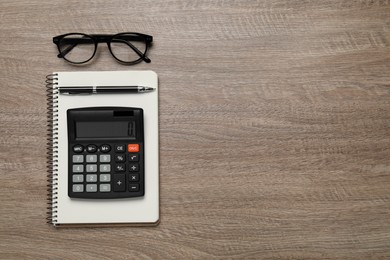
(74, 90)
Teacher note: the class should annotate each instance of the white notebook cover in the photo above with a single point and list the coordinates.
(140, 210)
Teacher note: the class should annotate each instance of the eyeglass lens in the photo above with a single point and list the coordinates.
(77, 48)
(125, 46)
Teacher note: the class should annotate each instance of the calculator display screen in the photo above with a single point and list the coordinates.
(103, 129)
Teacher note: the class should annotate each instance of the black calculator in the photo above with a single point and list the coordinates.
(106, 152)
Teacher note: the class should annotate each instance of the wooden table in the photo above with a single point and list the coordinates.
(274, 127)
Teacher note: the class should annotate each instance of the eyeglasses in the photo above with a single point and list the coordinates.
(127, 48)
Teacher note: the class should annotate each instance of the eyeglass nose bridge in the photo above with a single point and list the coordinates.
(102, 38)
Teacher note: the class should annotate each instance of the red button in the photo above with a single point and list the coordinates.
(133, 148)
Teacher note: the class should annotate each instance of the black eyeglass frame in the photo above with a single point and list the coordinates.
(107, 38)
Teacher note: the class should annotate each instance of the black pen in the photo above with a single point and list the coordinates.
(74, 90)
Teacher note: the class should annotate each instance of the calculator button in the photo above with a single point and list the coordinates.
(91, 178)
(105, 158)
(91, 168)
(78, 188)
(133, 187)
(105, 177)
(134, 177)
(78, 158)
(134, 167)
(134, 157)
(120, 158)
(78, 178)
(133, 148)
(105, 168)
(120, 168)
(91, 148)
(78, 168)
(105, 148)
(105, 187)
(91, 188)
(78, 148)
(119, 182)
(120, 148)
(91, 158)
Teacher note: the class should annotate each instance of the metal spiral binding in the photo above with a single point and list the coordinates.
(52, 147)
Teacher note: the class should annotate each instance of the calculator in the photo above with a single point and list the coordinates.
(106, 152)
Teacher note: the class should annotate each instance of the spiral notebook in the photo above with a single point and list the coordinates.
(85, 178)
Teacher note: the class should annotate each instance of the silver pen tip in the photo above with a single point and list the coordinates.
(145, 89)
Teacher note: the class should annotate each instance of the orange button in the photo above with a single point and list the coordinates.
(133, 148)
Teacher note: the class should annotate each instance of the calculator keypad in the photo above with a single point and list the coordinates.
(106, 171)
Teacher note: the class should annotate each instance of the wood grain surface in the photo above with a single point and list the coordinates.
(274, 128)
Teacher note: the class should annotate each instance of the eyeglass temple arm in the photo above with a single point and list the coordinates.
(140, 54)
